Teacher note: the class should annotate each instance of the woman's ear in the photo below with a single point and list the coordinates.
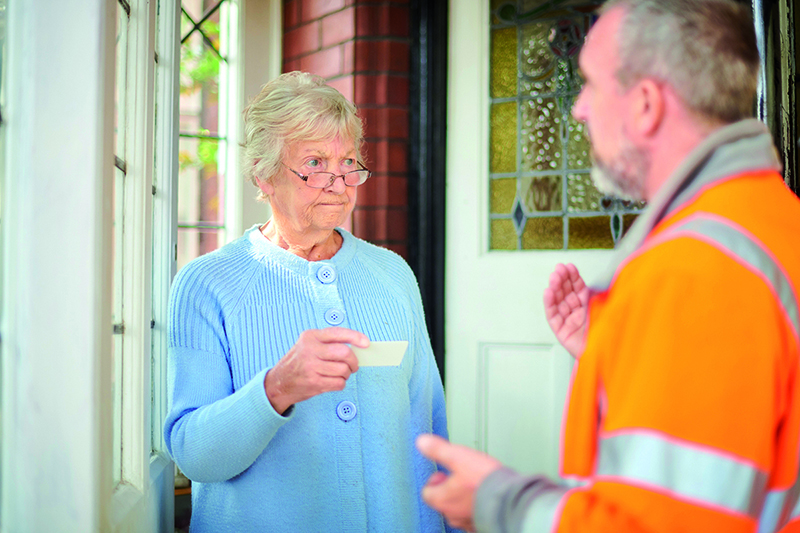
(266, 186)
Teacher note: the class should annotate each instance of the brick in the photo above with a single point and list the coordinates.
(384, 191)
(385, 122)
(370, 224)
(326, 63)
(347, 57)
(381, 89)
(397, 224)
(314, 9)
(301, 40)
(399, 56)
(398, 21)
(291, 14)
(291, 65)
(382, 20)
(397, 121)
(369, 118)
(399, 249)
(398, 157)
(377, 154)
(339, 27)
(397, 91)
(344, 85)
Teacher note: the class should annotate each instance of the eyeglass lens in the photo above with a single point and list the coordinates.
(321, 180)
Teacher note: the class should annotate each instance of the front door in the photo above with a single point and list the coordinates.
(517, 174)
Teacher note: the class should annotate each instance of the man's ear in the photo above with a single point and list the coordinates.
(648, 107)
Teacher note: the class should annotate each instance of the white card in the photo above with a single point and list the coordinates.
(381, 353)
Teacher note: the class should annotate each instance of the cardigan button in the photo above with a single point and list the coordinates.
(346, 411)
(326, 274)
(334, 317)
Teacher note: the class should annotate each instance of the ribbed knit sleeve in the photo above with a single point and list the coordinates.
(213, 431)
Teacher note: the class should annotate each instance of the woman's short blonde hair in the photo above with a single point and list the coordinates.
(294, 106)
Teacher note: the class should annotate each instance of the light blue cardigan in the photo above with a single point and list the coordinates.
(233, 314)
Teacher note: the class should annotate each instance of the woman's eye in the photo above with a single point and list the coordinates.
(313, 163)
(349, 162)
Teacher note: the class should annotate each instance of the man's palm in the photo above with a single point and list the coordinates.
(565, 304)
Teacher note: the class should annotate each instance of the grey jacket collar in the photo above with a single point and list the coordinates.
(739, 147)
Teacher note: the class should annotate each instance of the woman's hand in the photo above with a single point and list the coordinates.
(320, 361)
(566, 300)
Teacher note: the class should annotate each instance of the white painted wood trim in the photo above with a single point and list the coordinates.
(262, 48)
(56, 327)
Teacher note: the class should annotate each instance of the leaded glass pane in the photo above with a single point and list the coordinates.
(504, 237)
(504, 190)
(534, 139)
(540, 134)
(590, 232)
(504, 137)
(578, 146)
(543, 234)
(504, 62)
(582, 195)
(538, 63)
(541, 193)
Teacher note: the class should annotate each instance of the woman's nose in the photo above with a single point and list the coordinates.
(337, 185)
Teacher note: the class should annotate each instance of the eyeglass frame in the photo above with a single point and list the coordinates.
(334, 176)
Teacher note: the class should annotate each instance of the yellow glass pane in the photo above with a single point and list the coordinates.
(590, 232)
(504, 63)
(503, 193)
(504, 137)
(543, 234)
(503, 235)
(627, 222)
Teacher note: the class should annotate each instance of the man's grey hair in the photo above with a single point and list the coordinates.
(295, 106)
(705, 49)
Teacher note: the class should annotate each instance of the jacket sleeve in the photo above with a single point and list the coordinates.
(683, 413)
(212, 432)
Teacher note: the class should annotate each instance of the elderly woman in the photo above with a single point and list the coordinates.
(271, 416)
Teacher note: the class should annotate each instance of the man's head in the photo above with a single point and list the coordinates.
(657, 72)
(705, 49)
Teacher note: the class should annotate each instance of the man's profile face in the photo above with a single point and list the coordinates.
(619, 167)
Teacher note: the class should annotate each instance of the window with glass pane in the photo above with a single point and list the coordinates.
(541, 193)
(201, 182)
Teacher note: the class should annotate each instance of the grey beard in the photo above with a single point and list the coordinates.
(623, 176)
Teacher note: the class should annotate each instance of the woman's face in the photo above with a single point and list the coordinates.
(301, 208)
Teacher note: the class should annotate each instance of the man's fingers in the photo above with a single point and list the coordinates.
(436, 449)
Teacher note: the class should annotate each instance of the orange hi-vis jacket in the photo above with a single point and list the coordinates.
(684, 410)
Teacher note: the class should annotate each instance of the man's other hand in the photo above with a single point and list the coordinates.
(454, 495)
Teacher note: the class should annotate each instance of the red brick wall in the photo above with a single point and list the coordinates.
(362, 48)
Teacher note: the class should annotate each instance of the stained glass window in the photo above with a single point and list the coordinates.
(540, 190)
